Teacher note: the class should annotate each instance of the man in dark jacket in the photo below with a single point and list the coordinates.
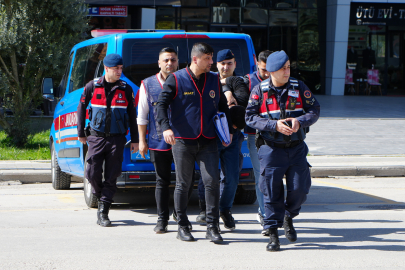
(112, 103)
(194, 97)
(282, 109)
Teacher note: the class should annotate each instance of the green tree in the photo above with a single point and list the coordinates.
(35, 39)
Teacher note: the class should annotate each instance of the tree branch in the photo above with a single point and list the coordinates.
(6, 69)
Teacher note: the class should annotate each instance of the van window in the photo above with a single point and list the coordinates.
(63, 83)
(140, 56)
(237, 46)
(85, 65)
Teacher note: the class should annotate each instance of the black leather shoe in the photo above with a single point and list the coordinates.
(213, 234)
(184, 234)
(174, 215)
(102, 214)
(289, 230)
(228, 220)
(161, 226)
(274, 244)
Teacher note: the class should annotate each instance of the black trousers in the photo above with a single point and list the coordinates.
(207, 158)
(110, 151)
(162, 160)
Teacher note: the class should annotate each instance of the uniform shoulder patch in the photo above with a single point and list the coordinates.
(307, 94)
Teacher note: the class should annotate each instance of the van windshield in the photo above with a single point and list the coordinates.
(141, 56)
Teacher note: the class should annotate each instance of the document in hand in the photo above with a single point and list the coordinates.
(221, 126)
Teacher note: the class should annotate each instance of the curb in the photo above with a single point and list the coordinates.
(378, 171)
(44, 176)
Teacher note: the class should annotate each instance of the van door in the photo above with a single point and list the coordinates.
(87, 65)
(57, 131)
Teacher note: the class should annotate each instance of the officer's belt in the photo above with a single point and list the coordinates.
(282, 145)
(104, 135)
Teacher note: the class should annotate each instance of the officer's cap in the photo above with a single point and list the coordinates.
(112, 60)
(276, 61)
(225, 54)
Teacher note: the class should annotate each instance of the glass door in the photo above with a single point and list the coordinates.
(395, 67)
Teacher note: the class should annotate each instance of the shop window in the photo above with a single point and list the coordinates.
(166, 18)
(225, 12)
(195, 19)
(308, 3)
(257, 3)
(286, 17)
(308, 60)
(195, 3)
(86, 65)
(253, 14)
(284, 3)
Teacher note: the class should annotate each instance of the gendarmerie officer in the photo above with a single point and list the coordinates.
(252, 80)
(281, 109)
(194, 96)
(111, 109)
(160, 151)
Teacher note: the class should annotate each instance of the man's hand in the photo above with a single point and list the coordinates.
(226, 145)
(143, 148)
(282, 128)
(134, 147)
(169, 137)
(295, 124)
(230, 98)
(83, 140)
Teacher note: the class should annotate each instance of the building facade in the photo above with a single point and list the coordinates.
(333, 44)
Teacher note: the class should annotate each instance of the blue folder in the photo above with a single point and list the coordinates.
(221, 126)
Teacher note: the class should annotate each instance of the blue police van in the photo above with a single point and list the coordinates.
(139, 50)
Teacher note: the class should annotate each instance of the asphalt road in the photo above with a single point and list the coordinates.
(346, 223)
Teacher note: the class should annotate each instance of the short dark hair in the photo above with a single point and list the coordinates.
(201, 48)
(237, 114)
(263, 56)
(167, 50)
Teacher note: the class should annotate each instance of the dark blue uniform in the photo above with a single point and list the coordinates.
(282, 155)
(111, 111)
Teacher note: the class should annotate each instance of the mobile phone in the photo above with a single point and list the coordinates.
(287, 123)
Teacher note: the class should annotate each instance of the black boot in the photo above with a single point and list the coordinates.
(213, 233)
(102, 214)
(202, 217)
(289, 230)
(274, 244)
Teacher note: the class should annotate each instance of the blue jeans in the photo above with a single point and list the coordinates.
(206, 157)
(231, 164)
(254, 158)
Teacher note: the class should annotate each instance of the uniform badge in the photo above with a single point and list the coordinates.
(292, 102)
(255, 96)
(293, 93)
(269, 101)
(307, 94)
(212, 93)
(119, 95)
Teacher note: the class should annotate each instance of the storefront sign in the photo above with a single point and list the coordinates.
(377, 14)
(110, 11)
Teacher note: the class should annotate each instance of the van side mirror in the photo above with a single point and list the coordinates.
(47, 89)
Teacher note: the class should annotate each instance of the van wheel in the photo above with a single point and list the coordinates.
(89, 197)
(60, 180)
(244, 196)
